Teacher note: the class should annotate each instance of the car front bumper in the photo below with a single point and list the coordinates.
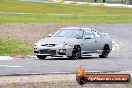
(53, 51)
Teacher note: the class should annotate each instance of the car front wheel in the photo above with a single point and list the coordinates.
(76, 53)
(106, 51)
(42, 57)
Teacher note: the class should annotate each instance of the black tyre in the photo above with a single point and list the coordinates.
(42, 57)
(106, 51)
(76, 53)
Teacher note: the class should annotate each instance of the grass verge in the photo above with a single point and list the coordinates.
(13, 47)
(64, 18)
(15, 11)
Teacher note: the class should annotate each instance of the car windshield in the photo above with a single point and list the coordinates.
(69, 33)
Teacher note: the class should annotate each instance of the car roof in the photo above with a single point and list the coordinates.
(82, 28)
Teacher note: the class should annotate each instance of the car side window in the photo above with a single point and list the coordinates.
(97, 35)
(89, 34)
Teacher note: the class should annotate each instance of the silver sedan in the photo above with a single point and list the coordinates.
(74, 42)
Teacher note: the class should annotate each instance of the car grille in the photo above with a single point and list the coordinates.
(48, 51)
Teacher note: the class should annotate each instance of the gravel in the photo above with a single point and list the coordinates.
(51, 81)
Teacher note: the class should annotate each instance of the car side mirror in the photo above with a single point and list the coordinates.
(50, 35)
(87, 37)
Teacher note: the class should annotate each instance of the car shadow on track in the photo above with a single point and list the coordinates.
(83, 58)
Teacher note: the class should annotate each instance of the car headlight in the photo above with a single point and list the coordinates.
(68, 45)
(64, 45)
(37, 44)
(60, 45)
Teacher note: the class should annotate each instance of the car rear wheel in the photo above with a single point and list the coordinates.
(76, 53)
(42, 57)
(106, 51)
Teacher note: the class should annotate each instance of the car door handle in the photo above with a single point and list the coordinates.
(95, 41)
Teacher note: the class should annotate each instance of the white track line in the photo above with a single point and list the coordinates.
(6, 58)
(8, 66)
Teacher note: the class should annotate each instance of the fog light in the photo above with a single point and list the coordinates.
(62, 50)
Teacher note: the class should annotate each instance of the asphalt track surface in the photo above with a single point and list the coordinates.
(119, 59)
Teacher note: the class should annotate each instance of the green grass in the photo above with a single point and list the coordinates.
(13, 47)
(59, 13)
(52, 18)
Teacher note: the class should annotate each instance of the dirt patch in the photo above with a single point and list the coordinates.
(32, 32)
(28, 32)
(36, 31)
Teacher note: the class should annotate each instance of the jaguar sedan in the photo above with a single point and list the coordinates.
(74, 43)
